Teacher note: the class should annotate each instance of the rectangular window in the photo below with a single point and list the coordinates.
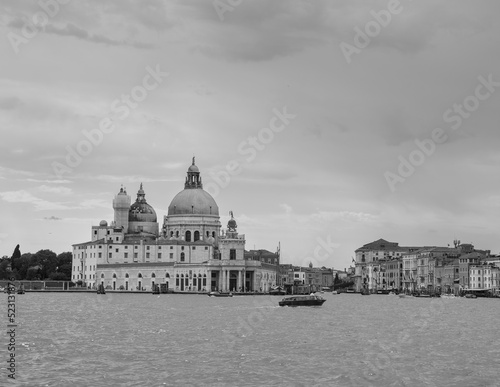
(126, 247)
(182, 248)
(147, 255)
(171, 255)
(100, 255)
(159, 255)
(147, 247)
(171, 247)
(125, 255)
(206, 247)
(194, 247)
(116, 250)
(117, 239)
(232, 254)
(110, 255)
(135, 255)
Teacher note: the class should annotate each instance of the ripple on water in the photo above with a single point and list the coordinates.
(129, 340)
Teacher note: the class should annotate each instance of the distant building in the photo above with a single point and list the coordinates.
(188, 254)
(371, 264)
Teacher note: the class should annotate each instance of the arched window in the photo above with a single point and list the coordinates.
(139, 275)
(213, 234)
(196, 236)
(114, 275)
(153, 275)
(167, 275)
(188, 236)
(171, 234)
(102, 275)
(208, 234)
(182, 257)
(177, 234)
(126, 275)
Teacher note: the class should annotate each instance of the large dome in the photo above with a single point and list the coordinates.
(193, 201)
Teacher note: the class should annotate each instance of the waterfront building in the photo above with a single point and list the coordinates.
(188, 254)
(484, 277)
(410, 271)
(394, 273)
(370, 263)
(465, 262)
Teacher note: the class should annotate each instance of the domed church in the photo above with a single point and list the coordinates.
(189, 254)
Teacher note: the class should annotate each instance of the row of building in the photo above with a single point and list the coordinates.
(383, 265)
(190, 252)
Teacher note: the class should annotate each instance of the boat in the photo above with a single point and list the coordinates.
(219, 294)
(365, 292)
(470, 295)
(300, 300)
(403, 295)
(277, 291)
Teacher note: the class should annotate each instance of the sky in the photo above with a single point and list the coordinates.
(323, 125)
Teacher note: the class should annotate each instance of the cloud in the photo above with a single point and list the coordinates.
(9, 103)
(23, 196)
(288, 209)
(57, 190)
(71, 29)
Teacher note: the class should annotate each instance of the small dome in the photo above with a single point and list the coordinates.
(231, 224)
(103, 223)
(141, 212)
(193, 168)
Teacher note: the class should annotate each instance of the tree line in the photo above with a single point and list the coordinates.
(43, 265)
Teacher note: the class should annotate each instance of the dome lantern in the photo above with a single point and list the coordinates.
(193, 178)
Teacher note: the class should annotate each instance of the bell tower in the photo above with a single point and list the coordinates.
(121, 205)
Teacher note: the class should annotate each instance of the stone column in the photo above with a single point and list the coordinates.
(238, 286)
(223, 280)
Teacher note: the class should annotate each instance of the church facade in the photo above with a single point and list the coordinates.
(189, 253)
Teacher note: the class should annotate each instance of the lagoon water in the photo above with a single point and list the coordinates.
(71, 339)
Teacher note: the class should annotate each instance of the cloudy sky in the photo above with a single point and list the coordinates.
(341, 122)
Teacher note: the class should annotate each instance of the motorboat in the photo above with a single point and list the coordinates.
(277, 291)
(219, 294)
(302, 300)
